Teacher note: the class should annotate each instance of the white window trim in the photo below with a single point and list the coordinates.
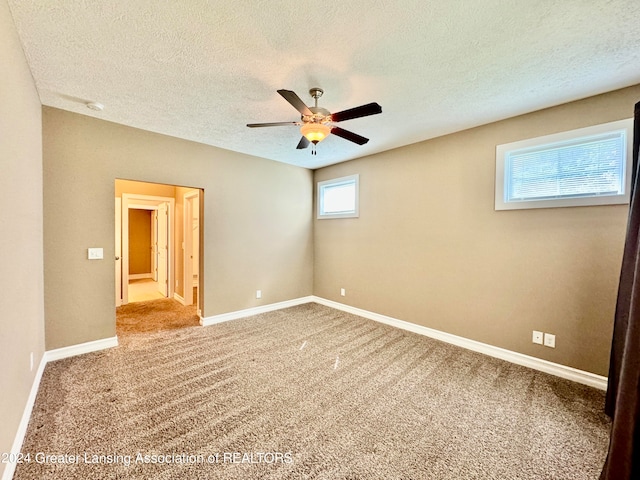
(334, 182)
(623, 198)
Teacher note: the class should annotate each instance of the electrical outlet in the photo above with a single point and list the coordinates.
(258, 293)
(549, 340)
(537, 337)
(343, 292)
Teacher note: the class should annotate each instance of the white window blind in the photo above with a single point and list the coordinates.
(591, 166)
(567, 169)
(338, 198)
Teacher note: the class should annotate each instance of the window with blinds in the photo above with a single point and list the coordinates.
(338, 198)
(582, 167)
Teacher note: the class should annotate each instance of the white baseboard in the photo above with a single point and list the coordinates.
(10, 467)
(563, 371)
(49, 356)
(94, 346)
(579, 376)
(225, 317)
(178, 298)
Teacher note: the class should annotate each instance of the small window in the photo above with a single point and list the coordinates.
(588, 166)
(338, 198)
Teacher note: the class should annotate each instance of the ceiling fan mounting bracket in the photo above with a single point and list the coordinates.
(316, 92)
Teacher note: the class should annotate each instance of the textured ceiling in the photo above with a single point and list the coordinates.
(201, 70)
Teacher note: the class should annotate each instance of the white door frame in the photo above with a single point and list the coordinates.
(118, 259)
(148, 202)
(187, 250)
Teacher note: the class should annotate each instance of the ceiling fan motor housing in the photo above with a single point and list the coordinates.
(320, 115)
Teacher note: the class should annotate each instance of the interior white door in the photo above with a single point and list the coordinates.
(118, 251)
(187, 246)
(195, 237)
(162, 222)
(191, 247)
(154, 244)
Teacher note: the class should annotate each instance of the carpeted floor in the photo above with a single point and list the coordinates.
(154, 316)
(308, 392)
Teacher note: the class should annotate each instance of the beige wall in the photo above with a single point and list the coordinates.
(429, 248)
(139, 241)
(21, 282)
(257, 235)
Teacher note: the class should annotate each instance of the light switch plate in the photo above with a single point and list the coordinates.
(95, 253)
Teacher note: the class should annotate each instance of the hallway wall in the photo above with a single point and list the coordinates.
(258, 221)
(21, 243)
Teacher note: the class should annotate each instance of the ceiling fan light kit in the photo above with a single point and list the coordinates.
(315, 132)
(316, 121)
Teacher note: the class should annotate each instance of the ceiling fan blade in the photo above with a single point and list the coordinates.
(356, 112)
(295, 101)
(272, 124)
(347, 135)
(303, 143)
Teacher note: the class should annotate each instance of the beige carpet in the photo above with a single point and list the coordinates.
(308, 392)
(154, 316)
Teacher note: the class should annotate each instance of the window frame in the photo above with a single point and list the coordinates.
(334, 182)
(557, 138)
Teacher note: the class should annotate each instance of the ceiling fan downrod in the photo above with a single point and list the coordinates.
(316, 93)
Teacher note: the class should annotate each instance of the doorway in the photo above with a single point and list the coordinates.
(166, 291)
(143, 277)
(148, 254)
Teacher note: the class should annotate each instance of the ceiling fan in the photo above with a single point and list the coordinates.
(316, 122)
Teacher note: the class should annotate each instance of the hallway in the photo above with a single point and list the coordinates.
(144, 289)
